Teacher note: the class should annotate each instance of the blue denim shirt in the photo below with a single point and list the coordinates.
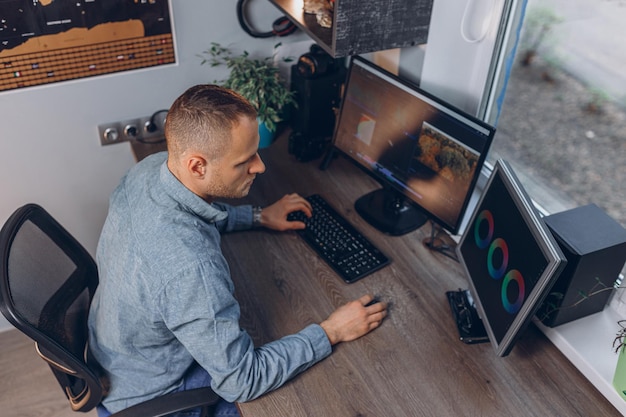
(165, 297)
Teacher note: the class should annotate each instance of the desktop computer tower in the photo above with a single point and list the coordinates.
(595, 247)
(317, 98)
(313, 121)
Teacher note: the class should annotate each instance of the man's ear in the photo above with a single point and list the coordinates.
(196, 166)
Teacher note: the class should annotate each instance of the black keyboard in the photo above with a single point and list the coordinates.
(339, 244)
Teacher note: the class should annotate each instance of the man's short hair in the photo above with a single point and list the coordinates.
(202, 118)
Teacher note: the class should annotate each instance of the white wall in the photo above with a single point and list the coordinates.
(50, 152)
(461, 41)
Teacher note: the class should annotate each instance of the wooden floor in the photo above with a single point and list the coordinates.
(27, 387)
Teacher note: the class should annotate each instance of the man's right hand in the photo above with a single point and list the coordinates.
(354, 319)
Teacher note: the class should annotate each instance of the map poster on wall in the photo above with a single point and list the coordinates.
(47, 41)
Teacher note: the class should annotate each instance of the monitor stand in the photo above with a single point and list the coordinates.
(389, 212)
(439, 241)
(470, 326)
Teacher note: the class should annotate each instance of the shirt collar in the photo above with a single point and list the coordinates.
(188, 199)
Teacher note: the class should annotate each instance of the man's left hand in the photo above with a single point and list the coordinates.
(274, 216)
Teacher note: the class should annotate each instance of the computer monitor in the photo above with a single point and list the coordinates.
(510, 258)
(426, 154)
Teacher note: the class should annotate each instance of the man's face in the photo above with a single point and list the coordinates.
(232, 175)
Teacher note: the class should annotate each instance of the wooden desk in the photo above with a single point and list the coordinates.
(414, 364)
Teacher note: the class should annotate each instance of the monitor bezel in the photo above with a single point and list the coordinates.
(447, 107)
(544, 240)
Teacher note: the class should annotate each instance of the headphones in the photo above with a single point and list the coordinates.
(281, 26)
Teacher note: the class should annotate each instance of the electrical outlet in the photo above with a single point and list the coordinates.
(139, 129)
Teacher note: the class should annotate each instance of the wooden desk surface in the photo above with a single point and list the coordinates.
(414, 364)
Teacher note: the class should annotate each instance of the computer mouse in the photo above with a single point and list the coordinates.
(374, 301)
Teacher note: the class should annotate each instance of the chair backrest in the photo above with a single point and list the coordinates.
(47, 282)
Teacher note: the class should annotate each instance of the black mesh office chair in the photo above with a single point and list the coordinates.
(47, 282)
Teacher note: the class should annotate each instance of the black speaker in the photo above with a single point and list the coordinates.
(595, 247)
(316, 99)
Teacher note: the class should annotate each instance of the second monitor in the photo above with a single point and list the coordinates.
(426, 154)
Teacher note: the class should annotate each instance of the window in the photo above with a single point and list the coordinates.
(562, 124)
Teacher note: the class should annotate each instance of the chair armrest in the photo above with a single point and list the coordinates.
(172, 403)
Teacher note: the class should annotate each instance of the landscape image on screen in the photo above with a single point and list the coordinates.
(443, 155)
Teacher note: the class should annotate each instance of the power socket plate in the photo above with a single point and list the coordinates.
(129, 130)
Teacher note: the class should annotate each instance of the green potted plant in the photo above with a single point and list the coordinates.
(259, 81)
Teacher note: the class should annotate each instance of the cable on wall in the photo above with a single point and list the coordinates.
(157, 120)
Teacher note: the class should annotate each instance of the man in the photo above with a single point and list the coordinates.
(164, 317)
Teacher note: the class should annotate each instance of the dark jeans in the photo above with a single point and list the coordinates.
(196, 377)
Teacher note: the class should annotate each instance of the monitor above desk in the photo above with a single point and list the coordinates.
(412, 365)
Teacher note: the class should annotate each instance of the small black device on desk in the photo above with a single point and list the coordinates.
(339, 243)
(469, 324)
